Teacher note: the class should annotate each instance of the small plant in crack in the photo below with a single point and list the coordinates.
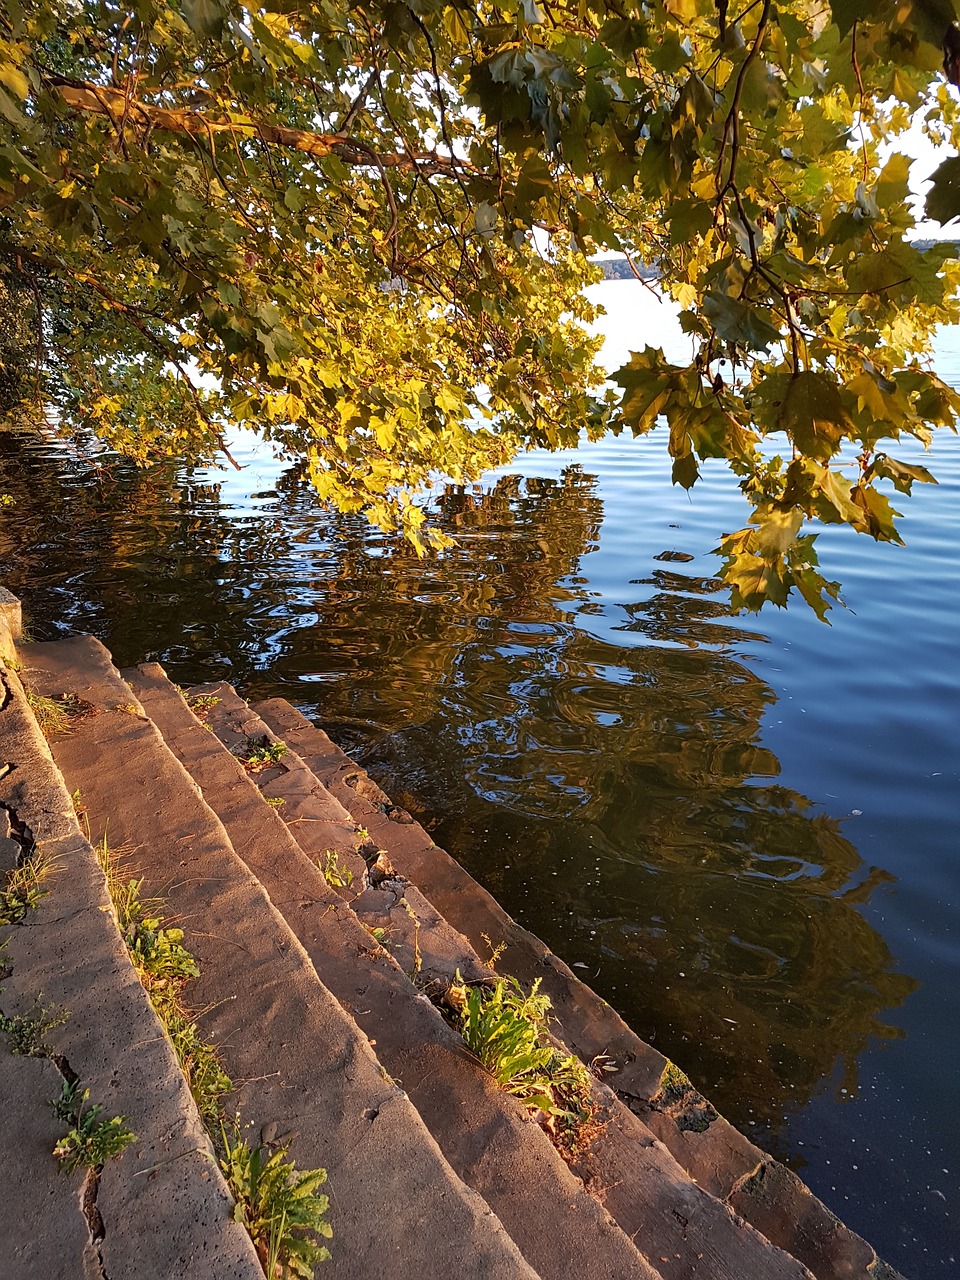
(417, 957)
(496, 951)
(378, 934)
(201, 704)
(27, 1032)
(25, 887)
(90, 1142)
(281, 1208)
(334, 872)
(261, 752)
(506, 1028)
(53, 715)
(275, 802)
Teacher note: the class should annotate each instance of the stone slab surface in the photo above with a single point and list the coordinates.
(301, 1066)
(11, 626)
(67, 953)
(721, 1159)
(485, 1134)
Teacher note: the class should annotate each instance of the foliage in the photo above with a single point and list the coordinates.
(27, 1032)
(202, 704)
(198, 1058)
(366, 226)
(53, 715)
(263, 751)
(90, 1141)
(504, 1027)
(157, 952)
(24, 888)
(280, 1208)
(334, 871)
(496, 950)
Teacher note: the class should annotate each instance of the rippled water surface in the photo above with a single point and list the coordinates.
(743, 831)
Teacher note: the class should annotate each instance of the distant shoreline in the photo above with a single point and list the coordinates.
(618, 268)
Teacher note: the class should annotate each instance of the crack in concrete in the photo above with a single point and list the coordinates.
(93, 1217)
(90, 1187)
(20, 833)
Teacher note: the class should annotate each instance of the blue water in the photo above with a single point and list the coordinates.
(744, 830)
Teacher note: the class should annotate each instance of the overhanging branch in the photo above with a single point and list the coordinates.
(94, 99)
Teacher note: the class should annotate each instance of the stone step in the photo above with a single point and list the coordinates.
(720, 1159)
(682, 1229)
(485, 1134)
(302, 1068)
(66, 955)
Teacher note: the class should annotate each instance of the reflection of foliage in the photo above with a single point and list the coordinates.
(18, 347)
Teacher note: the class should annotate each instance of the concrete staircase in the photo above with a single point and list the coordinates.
(321, 994)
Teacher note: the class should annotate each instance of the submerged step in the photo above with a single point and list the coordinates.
(721, 1159)
(71, 994)
(302, 1068)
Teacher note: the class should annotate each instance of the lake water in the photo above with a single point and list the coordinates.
(743, 830)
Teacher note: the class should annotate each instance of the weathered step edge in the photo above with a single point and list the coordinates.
(67, 954)
(485, 1134)
(721, 1159)
(682, 1228)
(303, 1069)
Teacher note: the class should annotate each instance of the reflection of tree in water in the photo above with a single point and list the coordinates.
(616, 797)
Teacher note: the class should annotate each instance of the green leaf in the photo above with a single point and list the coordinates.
(686, 472)
(777, 530)
(14, 79)
(647, 383)
(738, 322)
(903, 474)
(893, 185)
(879, 513)
(836, 490)
(813, 414)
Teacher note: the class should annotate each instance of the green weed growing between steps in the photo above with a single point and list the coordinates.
(279, 1206)
(262, 752)
(89, 1142)
(24, 888)
(506, 1028)
(281, 1209)
(53, 715)
(27, 1032)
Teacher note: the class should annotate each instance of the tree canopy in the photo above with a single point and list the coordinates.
(364, 231)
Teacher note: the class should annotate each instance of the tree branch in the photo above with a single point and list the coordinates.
(96, 100)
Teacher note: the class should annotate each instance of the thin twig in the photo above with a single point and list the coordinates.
(856, 68)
